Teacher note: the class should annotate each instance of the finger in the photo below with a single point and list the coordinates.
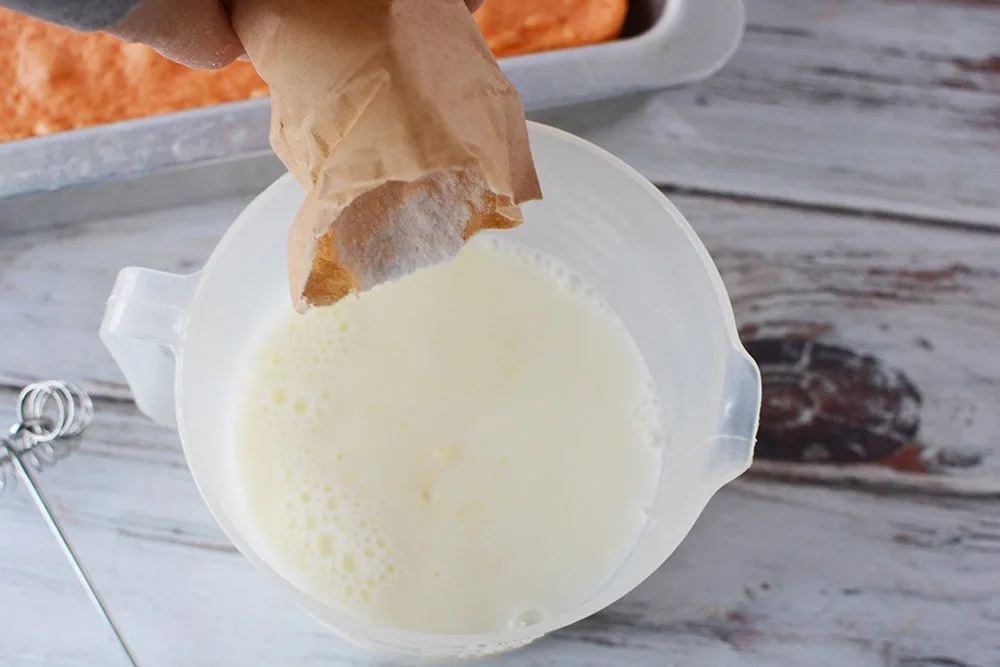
(196, 33)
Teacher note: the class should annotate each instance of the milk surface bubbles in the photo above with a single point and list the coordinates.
(468, 449)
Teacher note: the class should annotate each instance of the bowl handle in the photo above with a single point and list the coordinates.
(143, 326)
(741, 398)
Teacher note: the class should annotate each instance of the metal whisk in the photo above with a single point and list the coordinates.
(50, 416)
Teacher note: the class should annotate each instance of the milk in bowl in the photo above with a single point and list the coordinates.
(472, 448)
(470, 458)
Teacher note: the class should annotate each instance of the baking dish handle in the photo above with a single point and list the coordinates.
(702, 40)
(143, 326)
(691, 41)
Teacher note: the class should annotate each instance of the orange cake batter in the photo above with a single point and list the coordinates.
(514, 27)
(53, 79)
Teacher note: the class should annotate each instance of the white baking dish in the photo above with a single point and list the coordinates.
(664, 43)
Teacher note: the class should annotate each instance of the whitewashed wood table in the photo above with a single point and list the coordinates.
(844, 171)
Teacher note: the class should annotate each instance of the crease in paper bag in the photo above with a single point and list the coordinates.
(396, 119)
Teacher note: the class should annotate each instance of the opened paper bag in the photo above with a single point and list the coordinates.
(397, 121)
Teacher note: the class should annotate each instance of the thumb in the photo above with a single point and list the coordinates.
(196, 33)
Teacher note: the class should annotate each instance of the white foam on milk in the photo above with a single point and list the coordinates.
(462, 451)
(338, 538)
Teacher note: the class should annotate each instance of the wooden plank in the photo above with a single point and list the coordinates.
(771, 576)
(866, 105)
(923, 300)
(55, 283)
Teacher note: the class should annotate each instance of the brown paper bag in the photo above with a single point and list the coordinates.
(397, 121)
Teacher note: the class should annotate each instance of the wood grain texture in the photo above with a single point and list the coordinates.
(55, 283)
(771, 576)
(868, 105)
(923, 299)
